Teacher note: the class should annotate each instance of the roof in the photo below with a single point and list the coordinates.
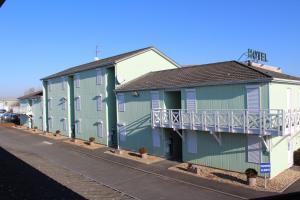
(105, 62)
(208, 74)
(32, 95)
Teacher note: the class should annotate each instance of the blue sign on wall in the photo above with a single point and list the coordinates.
(265, 168)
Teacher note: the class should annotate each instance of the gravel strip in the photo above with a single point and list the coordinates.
(277, 184)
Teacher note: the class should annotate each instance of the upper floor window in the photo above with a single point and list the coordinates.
(99, 102)
(78, 103)
(99, 74)
(63, 83)
(121, 103)
(77, 80)
(253, 98)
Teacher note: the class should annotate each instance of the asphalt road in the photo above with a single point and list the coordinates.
(135, 181)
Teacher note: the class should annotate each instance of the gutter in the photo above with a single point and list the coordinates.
(279, 80)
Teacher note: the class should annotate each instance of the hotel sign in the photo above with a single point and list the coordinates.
(257, 56)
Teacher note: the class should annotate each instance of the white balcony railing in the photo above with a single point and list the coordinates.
(26, 110)
(262, 122)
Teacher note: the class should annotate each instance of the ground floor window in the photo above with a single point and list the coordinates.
(191, 142)
(50, 122)
(64, 124)
(156, 137)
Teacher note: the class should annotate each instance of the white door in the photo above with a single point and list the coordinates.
(290, 154)
(253, 98)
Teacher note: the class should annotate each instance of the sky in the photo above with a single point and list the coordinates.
(39, 38)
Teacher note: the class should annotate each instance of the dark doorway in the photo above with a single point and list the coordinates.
(173, 99)
(173, 144)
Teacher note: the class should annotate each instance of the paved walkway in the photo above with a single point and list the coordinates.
(136, 179)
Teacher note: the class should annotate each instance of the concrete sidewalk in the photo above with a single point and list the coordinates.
(142, 181)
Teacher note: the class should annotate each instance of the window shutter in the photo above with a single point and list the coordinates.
(49, 85)
(78, 127)
(99, 76)
(121, 103)
(156, 137)
(191, 142)
(78, 103)
(99, 103)
(253, 99)
(50, 123)
(122, 131)
(100, 129)
(254, 149)
(155, 101)
(77, 80)
(64, 124)
(50, 104)
(191, 100)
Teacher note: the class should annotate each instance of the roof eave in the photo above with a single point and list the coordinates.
(290, 81)
(265, 80)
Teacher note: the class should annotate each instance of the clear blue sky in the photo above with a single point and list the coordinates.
(39, 38)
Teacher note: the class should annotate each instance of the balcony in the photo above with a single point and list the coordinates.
(262, 122)
(25, 110)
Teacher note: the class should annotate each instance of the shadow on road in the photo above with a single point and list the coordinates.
(289, 196)
(18, 180)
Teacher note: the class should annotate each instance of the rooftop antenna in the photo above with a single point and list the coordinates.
(97, 52)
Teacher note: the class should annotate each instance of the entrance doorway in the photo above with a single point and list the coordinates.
(173, 142)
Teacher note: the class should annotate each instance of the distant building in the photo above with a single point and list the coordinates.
(31, 110)
(10, 105)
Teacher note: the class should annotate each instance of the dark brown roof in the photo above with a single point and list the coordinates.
(208, 74)
(102, 62)
(32, 95)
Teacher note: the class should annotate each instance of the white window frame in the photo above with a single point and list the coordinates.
(100, 129)
(78, 103)
(155, 100)
(78, 127)
(121, 102)
(77, 80)
(156, 137)
(63, 83)
(191, 142)
(99, 102)
(122, 135)
(99, 76)
(186, 94)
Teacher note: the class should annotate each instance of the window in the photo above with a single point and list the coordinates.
(254, 149)
(122, 132)
(64, 124)
(50, 104)
(155, 102)
(191, 99)
(78, 127)
(50, 85)
(99, 102)
(121, 103)
(191, 142)
(156, 137)
(99, 76)
(100, 129)
(77, 80)
(253, 98)
(63, 83)
(50, 122)
(78, 103)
